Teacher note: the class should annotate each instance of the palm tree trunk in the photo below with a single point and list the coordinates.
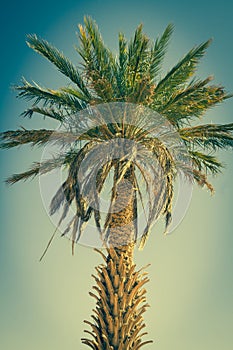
(119, 292)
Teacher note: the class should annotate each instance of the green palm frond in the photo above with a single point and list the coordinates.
(76, 93)
(176, 103)
(49, 97)
(209, 136)
(138, 55)
(121, 76)
(193, 104)
(135, 60)
(45, 112)
(205, 162)
(139, 63)
(180, 73)
(40, 168)
(93, 50)
(59, 60)
(15, 138)
(158, 52)
(99, 63)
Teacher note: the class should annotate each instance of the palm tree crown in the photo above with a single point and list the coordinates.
(131, 77)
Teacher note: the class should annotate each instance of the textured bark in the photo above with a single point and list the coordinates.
(119, 291)
(118, 317)
(121, 229)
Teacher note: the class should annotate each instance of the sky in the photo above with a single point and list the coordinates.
(43, 305)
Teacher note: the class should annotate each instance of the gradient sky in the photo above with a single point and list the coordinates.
(43, 305)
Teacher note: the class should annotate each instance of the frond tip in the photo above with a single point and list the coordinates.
(59, 60)
(205, 162)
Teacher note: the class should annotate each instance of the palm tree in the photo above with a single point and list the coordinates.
(121, 101)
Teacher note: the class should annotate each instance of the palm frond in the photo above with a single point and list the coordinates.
(14, 138)
(70, 191)
(99, 63)
(31, 173)
(46, 112)
(139, 62)
(205, 162)
(40, 168)
(182, 71)
(209, 136)
(158, 51)
(121, 76)
(48, 96)
(59, 60)
(139, 87)
(169, 200)
(79, 95)
(177, 98)
(194, 104)
(103, 56)
(138, 55)
(155, 189)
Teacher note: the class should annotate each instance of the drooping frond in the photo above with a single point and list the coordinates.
(202, 180)
(59, 60)
(40, 168)
(205, 162)
(158, 172)
(69, 191)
